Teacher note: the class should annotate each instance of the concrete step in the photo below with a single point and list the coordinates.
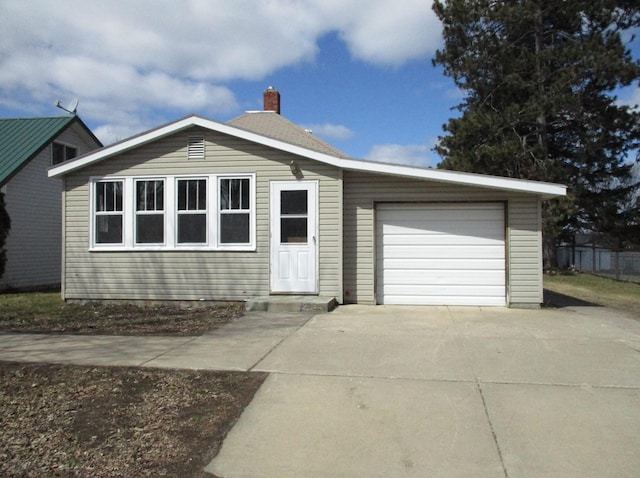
(291, 303)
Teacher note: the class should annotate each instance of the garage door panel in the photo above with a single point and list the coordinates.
(441, 254)
(444, 290)
(444, 264)
(443, 299)
(489, 229)
(455, 278)
(441, 239)
(459, 253)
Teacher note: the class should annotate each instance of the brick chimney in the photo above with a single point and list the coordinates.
(272, 100)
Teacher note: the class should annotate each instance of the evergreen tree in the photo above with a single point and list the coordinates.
(5, 226)
(539, 77)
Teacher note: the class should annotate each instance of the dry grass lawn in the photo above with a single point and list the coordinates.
(597, 290)
(74, 421)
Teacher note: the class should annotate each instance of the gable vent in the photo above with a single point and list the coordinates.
(195, 149)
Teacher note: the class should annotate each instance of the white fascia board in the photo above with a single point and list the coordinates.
(545, 190)
(120, 147)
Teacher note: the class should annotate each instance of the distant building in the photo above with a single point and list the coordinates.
(28, 148)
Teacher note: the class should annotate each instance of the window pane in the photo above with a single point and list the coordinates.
(202, 195)
(149, 195)
(182, 195)
(224, 194)
(293, 229)
(57, 153)
(109, 229)
(192, 195)
(293, 202)
(234, 228)
(245, 194)
(117, 193)
(109, 196)
(234, 194)
(192, 228)
(149, 229)
(70, 152)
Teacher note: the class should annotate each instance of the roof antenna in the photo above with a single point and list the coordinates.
(72, 108)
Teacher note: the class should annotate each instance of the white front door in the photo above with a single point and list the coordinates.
(294, 236)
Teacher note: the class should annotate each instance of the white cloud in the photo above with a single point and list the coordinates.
(389, 34)
(139, 56)
(330, 131)
(407, 154)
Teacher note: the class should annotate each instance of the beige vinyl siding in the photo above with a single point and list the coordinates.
(525, 252)
(34, 204)
(193, 275)
(363, 190)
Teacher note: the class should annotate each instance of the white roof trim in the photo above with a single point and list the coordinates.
(546, 190)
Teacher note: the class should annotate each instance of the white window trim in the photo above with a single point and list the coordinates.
(252, 209)
(136, 213)
(210, 192)
(171, 214)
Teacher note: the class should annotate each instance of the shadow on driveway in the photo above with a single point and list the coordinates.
(558, 301)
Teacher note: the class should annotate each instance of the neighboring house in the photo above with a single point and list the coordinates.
(28, 148)
(584, 257)
(201, 210)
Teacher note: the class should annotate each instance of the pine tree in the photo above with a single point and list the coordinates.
(5, 226)
(539, 78)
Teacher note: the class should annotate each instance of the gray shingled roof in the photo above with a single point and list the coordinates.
(275, 126)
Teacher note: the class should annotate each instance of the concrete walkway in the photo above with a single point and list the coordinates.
(409, 391)
(238, 345)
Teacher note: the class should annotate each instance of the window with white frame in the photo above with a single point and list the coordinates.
(211, 212)
(149, 221)
(235, 210)
(192, 211)
(109, 212)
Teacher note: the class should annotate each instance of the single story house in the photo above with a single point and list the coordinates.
(28, 148)
(201, 210)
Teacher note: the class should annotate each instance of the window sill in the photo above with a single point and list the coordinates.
(248, 248)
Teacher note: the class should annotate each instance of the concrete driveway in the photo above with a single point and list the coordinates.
(445, 392)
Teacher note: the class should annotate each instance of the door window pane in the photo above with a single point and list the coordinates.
(293, 202)
(293, 229)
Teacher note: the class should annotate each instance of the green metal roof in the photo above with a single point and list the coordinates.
(21, 139)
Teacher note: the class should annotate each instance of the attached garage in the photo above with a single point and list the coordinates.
(441, 253)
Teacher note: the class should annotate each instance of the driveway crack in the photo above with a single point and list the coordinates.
(461, 341)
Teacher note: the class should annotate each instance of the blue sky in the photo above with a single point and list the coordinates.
(357, 73)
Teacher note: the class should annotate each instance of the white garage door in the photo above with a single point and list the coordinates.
(441, 254)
